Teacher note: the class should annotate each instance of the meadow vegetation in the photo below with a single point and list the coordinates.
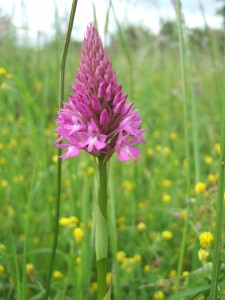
(149, 204)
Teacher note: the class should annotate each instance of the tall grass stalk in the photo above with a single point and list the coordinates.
(186, 131)
(219, 206)
(194, 116)
(125, 49)
(59, 168)
(27, 233)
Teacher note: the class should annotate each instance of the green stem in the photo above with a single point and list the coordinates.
(59, 168)
(113, 238)
(102, 203)
(219, 208)
(186, 132)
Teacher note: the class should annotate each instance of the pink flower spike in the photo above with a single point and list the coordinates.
(97, 117)
(104, 118)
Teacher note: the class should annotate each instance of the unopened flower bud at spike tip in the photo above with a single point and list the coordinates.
(97, 118)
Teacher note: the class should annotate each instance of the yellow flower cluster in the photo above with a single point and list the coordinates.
(202, 254)
(57, 275)
(78, 235)
(70, 221)
(166, 198)
(2, 270)
(2, 72)
(159, 295)
(127, 263)
(167, 235)
(200, 187)
(208, 159)
(141, 226)
(205, 239)
(128, 187)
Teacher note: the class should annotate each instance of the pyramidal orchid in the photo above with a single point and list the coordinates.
(97, 118)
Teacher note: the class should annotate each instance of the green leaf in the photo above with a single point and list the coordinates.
(190, 292)
(101, 240)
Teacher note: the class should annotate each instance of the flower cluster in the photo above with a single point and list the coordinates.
(97, 118)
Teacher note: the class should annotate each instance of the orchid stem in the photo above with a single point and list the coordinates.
(102, 203)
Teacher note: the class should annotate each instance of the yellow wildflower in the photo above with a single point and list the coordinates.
(172, 274)
(120, 255)
(208, 159)
(212, 178)
(147, 268)
(2, 247)
(57, 274)
(202, 254)
(166, 151)
(166, 183)
(78, 259)
(141, 205)
(2, 71)
(185, 273)
(2, 270)
(90, 170)
(166, 198)
(54, 158)
(205, 239)
(128, 186)
(94, 287)
(137, 258)
(121, 221)
(217, 148)
(158, 148)
(4, 183)
(109, 278)
(78, 234)
(30, 269)
(141, 226)
(73, 221)
(200, 187)
(12, 143)
(64, 221)
(159, 295)
(167, 235)
(150, 152)
(173, 136)
(183, 214)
